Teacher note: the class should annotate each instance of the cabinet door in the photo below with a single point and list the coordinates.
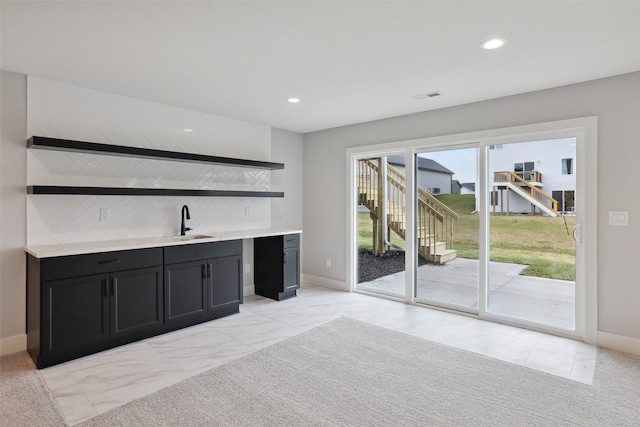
(291, 268)
(136, 301)
(185, 292)
(225, 286)
(76, 314)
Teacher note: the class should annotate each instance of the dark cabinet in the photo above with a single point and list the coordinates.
(77, 314)
(136, 301)
(186, 292)
(277, 266)
(82, 304)
(202, 282)
(72, 313)
(225, 285)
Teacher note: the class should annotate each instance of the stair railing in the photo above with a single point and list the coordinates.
(532, 191)
(435, 219)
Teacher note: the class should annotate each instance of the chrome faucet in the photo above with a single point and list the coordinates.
(183, 229)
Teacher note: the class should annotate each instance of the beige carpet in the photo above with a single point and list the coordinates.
(350, 373)
(24, 398)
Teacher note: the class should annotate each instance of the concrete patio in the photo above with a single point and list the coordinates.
(547, 301)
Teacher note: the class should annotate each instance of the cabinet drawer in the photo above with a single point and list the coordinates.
(291, 240)
(199, 251)
(106, 262)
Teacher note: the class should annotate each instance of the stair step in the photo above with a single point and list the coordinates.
(446, 255)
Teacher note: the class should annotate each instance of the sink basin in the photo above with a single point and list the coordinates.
(193, 237)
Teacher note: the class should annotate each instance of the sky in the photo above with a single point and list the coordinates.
(464, 162)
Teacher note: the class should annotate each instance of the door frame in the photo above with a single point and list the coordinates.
(584, 129)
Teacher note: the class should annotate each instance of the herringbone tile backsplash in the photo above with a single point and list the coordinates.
(64, 111)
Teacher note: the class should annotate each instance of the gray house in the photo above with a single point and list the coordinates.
(432, 176)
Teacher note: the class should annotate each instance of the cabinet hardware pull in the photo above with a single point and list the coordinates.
(208, 270)
(284, 258)
(109, 261)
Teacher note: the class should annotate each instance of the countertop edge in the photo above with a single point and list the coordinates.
(80, 248)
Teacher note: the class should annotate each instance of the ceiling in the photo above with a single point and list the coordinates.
(349, 62)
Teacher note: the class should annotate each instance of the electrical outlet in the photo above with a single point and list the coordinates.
(104, 215)
(247, 211)
(327, 262)
(247, 268)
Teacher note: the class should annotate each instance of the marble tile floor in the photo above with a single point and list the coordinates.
(92, 385)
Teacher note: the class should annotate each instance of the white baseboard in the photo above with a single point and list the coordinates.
(323, 281)
(248, 290)
(14, 344)
(619, 342)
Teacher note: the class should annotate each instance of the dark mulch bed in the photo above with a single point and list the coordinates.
(371, 267)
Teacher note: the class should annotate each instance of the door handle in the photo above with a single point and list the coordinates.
(577, 233)
(109, 261)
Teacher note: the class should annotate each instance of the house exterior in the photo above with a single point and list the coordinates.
(468, 188)
(458, 187)
(432, 176)
(547, 165)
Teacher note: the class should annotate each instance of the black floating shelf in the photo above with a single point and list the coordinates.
(148, 153)
(123, 191)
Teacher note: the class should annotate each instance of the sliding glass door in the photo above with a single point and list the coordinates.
(489, 226)
(532, 273)
(381, 224)
(447, 228)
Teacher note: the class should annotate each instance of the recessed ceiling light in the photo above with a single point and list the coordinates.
(294, 100)
(493, 43)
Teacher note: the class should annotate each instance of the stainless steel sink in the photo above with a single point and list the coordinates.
(193, 237)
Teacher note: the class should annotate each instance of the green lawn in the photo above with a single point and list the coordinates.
(540, 242)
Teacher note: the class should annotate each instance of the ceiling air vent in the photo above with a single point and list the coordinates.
(426, 95)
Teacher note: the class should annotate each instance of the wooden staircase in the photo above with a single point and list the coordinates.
(524, 188)
(435, 219)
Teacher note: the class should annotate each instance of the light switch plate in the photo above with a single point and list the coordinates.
(619, 218)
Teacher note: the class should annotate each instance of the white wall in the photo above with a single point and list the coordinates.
(64, 111)
(287, 148)
(616, 103)
(38, 107)
(13, 169)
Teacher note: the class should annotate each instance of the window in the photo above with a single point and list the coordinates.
(494, 198)
(495, 147)
(524, 167)
(567, 166)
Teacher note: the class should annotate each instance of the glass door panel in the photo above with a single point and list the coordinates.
(381, 224)
(531, 217)
(448, 228)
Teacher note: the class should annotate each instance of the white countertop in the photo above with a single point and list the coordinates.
(64, 249)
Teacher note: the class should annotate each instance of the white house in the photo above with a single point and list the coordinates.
(549, 166)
